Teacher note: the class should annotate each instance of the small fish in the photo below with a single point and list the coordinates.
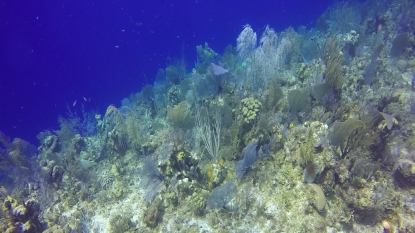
(74, 103)
(117, 46)
(85, 99)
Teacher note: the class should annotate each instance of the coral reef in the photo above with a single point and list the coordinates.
(309, 131)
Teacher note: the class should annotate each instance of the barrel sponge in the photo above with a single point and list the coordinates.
(321, 199)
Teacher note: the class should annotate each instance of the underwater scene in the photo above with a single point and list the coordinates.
(307, 129)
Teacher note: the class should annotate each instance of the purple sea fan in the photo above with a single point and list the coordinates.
(152, 180)
(218, 70)
(389, 119)
(222, 195)
(250, 158)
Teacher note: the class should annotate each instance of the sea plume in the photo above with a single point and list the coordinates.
(246, 41)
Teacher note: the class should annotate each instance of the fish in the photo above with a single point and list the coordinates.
(74, 103)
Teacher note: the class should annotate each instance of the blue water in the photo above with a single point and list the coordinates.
(55, 53)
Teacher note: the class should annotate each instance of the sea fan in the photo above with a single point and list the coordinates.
(152, 180)
(218, 70)
(222, 195)
(250, 158)
(246, 41)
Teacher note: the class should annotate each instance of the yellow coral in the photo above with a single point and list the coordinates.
(10, 229)
(250, 109)
(291, 126)
(9, 204)
(210, 175)
(114, 170)
(168, 168)
(180, 156)
(118, 192)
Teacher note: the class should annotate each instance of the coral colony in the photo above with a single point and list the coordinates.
(292, 131)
